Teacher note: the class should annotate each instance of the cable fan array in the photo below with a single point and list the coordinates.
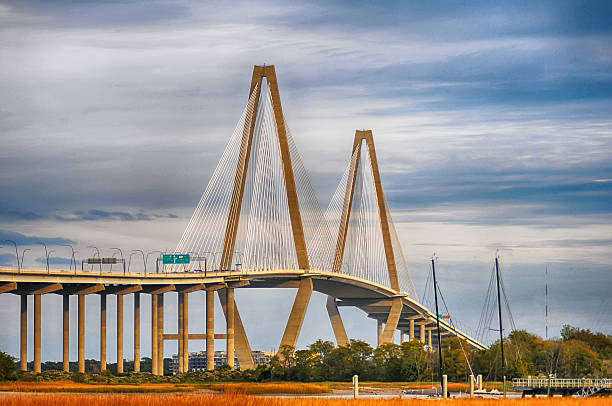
(364, 251)
(264, 237)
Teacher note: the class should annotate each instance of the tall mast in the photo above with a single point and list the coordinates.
(546, 300)
(433, 269)
(501, 329)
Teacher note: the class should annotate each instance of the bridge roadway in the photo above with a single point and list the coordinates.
(343, 290)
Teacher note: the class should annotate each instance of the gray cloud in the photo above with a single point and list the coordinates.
(22, 239)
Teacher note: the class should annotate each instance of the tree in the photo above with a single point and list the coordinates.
(7, 367)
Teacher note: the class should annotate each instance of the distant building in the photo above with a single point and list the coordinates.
(197, 360)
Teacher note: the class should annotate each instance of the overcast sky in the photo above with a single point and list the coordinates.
(492, 122)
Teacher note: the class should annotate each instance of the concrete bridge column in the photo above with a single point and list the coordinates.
(103, 332)
(185, 332)
(136, 332)
(429, 341)
(401, 337)
(210, 330)
(66, 332)
(81, 332)
(422, 333)
(119, 334)
(230, 327)
(379, 324)
(411, 331)
(160, 334)
(181, 332)
(154, 335)
(37, 332)
(336, 322)
(23, 339)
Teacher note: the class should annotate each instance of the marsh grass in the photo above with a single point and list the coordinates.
(246, 400)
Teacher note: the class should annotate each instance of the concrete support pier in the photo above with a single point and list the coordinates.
(210, 330)
(154, 339)
(66, 332)
(411, 331)
(103, 332)
(185, 332)
(119, 334)
(81, 332)
(37, 331)
(230, 327)
(136, 332)
(379, 336)
(23, 336)
(429, 341)
(422, 333)
(181, 332)
(160, 334)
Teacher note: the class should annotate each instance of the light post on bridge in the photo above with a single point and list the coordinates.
(98, 252)
(46, 254)
(143, 260)
(122, 259)
(23, 254)
(147, 259)
(16, 253)
(72, 259)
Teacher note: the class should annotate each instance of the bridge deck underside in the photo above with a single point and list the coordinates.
(373, 299)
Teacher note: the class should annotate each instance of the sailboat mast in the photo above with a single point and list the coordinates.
(546, 301)
(501, 329)
(435, 285)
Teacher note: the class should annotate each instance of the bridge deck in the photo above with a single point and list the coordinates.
(370, 297)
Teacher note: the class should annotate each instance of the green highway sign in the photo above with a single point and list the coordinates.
(181, 259)
(169, 259)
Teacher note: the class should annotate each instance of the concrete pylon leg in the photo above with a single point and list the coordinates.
(119, 334)
(392, 320)
(412, 330)
(136, 332)
(81, 332)
(154, 340)
(23, 336)
(185, 332)
(160, 334)
(37, 332)
(422, 333)
(103, 332)
(181, 326)
(66, 332)
(241, 341)
(336, 322)
(210, 329)
(298, 312)
(379, 332)
(230, 324)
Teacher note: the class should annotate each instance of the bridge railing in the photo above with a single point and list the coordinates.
(534, 382)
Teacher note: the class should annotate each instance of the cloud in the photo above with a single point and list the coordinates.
(55, 261)
(95, 215)
(22, 239)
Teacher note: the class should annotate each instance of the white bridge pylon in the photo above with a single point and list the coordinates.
(259, 212)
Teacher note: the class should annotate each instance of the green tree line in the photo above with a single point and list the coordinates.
(578, 353)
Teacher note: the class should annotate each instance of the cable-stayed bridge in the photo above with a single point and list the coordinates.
(258, 224)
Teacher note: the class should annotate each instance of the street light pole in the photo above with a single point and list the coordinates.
(151, 252)
(143, 259)
(16, 253)
(46, 254)
(123, 259)
(98, 252)
(23, 254)
(73, 258)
